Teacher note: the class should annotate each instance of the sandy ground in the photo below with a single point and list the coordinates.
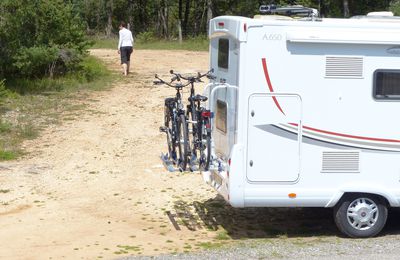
(94, 187)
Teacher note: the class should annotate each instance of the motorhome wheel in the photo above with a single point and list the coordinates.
(361, 215)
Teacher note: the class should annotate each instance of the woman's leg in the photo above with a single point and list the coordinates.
(125, 69)
(124, 60)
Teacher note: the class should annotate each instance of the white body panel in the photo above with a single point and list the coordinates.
(317, 130)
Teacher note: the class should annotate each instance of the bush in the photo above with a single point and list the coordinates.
(36, 61)
(39, 38)
(395, 7)
(145, 37)
(4, 92)
(90, 69)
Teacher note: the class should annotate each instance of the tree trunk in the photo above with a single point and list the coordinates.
(110, 8)
(180, 21)
(180, 31)
(203, 15)
(163, 19)
(186, 18)
(166, 14)
(209, 13)
(322, 11)
(346, 10)
(130, 15)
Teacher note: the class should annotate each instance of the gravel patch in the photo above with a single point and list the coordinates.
(387, 247)
(311, 242)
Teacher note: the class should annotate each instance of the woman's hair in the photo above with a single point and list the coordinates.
(122, 24)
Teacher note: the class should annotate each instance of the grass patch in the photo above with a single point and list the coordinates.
(222, 235)
(8, 155)
(27, 106)
(4, 191)
(210, 245)
(200, 43)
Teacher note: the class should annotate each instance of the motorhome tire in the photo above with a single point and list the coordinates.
(183, 144)
(361, 215)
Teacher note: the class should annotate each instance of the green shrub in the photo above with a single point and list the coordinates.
(4, 92)
(7, 155)
(40, 38)
(5, 127)
(91, 68)
(36, 61)
(395, 7)
(145, 37)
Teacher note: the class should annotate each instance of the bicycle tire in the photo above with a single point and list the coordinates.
(183, 147)
(169, 132)
(205, 153)
(192, 133)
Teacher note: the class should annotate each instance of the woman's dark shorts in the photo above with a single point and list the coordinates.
(126, 54)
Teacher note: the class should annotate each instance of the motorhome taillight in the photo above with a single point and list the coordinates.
(206, 113)
(245, 27)
(229, 162)
(221, 24)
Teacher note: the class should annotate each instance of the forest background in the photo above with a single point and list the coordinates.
(48, 38)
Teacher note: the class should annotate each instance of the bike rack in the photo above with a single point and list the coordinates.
(168, 164)
(211, 95)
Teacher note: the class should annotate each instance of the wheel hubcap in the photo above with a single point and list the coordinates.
(362, 214)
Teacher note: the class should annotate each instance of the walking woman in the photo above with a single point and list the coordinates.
(125, 47)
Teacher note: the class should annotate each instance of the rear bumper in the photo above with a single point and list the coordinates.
(219, 181)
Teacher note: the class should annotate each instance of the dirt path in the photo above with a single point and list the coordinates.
(95, 187)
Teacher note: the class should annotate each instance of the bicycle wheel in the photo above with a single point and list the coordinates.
(192, 133)
(205, 150)
(183, 147)
(169, 131)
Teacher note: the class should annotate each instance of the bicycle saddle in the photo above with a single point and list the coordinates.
(198, 98)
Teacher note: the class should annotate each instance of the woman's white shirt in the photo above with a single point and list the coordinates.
(125, 38)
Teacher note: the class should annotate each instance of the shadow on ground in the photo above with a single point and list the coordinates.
(240, 223)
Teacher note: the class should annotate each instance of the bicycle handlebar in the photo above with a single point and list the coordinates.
(178, 77)
(193, 79)
(161, 82)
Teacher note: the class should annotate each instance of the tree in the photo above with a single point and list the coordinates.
(39, 38)
(395, 7)
(109, 8)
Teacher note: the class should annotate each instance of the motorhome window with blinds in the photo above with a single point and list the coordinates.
(387, 84)
(223, 53)
(222, 112)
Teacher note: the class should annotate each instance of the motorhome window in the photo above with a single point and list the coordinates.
(221, 116)
(223, 53)
(387, 84)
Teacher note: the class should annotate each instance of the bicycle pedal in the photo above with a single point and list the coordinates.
(163, 129)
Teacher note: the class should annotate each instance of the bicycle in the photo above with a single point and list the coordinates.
(175, 125)
(199, 119)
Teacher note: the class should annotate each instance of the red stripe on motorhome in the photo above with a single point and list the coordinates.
(271, 89)
(347, 135)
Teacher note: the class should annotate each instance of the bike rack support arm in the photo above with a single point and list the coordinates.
(218, 87)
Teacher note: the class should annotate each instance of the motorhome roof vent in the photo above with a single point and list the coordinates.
(378, 17)
(380, 14)
(344, 67)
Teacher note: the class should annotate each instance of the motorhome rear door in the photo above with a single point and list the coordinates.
(274, 138)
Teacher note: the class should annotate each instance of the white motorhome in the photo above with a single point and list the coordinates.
(305, 115)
